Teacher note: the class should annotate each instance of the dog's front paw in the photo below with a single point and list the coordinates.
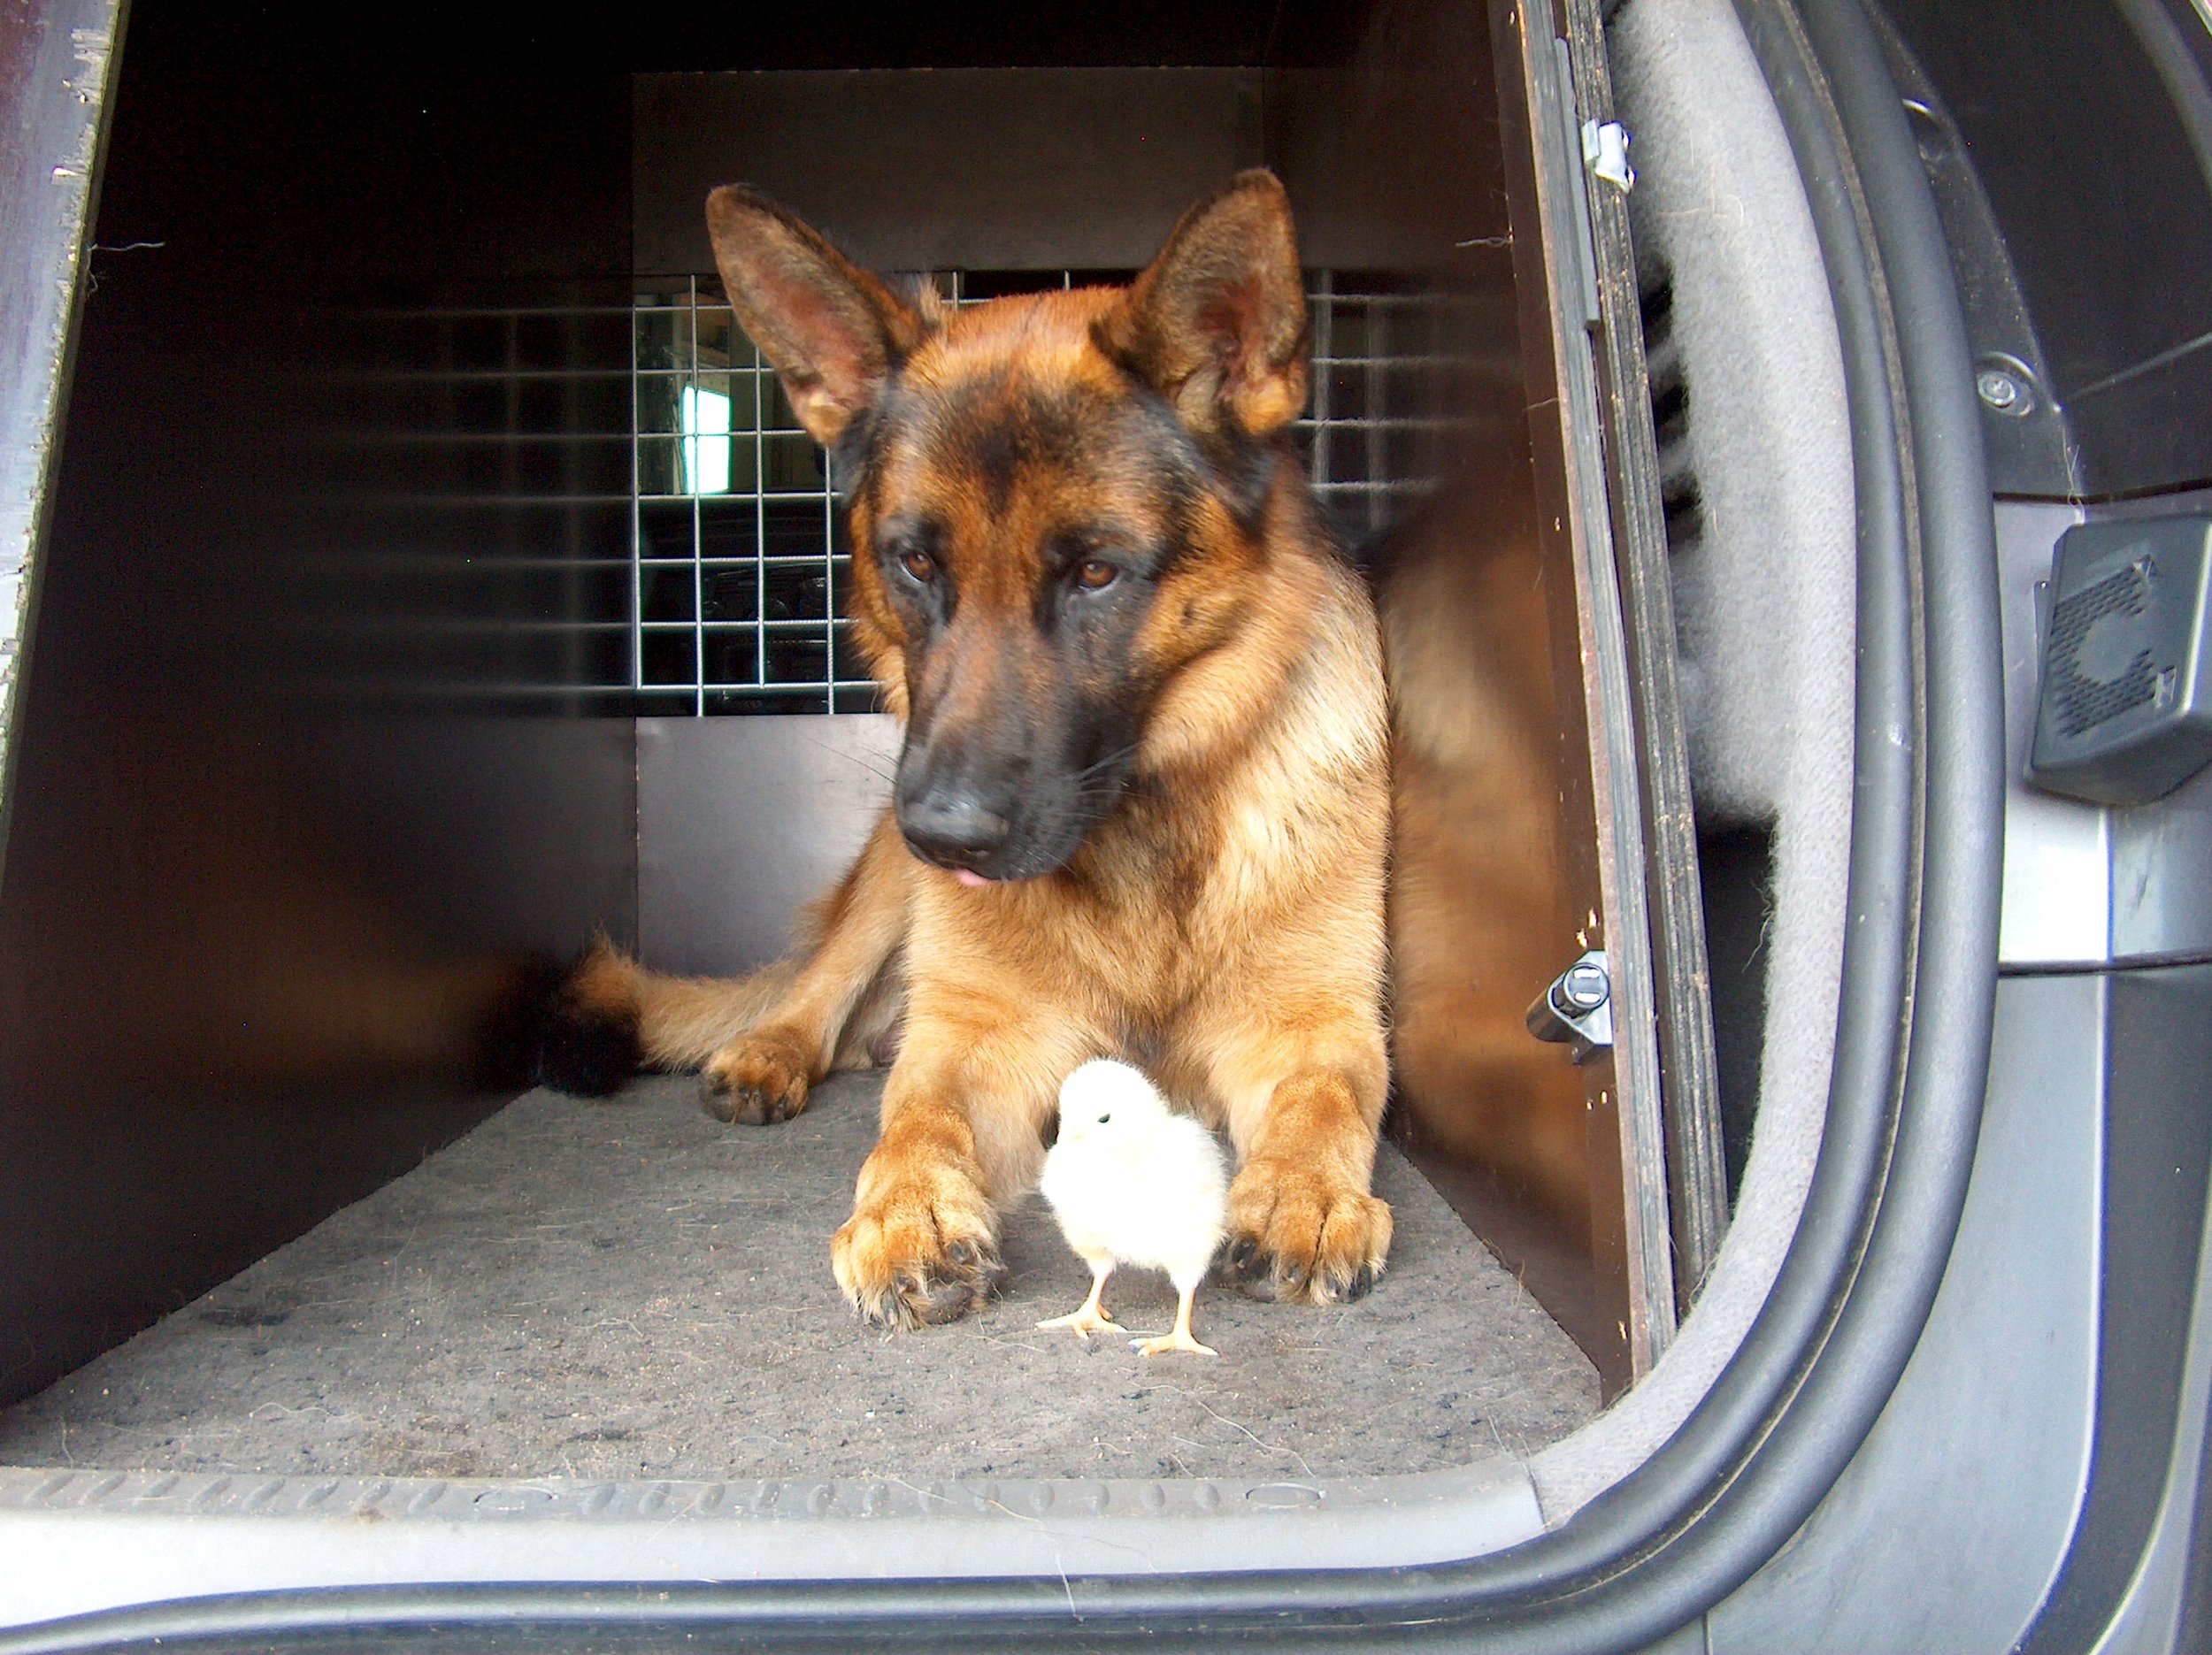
(755, 1081)
(921, 1246)
(1295, 1234)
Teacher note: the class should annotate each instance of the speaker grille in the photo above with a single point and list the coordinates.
(2086, 700)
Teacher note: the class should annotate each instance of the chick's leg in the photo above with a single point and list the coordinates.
(1092, 1317)
(1179, 1338)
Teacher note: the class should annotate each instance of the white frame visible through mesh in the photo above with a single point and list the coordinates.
(749, 577)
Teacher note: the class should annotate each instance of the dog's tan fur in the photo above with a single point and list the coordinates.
(1222, 924)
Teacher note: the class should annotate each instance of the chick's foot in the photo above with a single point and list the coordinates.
(1091, 1316)
(1178, 1340)
(1084, 1322)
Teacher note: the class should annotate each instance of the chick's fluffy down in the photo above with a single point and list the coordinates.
(1131, 1181)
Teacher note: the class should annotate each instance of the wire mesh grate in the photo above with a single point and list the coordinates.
(741, 561)
(459, 511)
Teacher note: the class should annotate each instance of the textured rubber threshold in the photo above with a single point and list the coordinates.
(629, 1289)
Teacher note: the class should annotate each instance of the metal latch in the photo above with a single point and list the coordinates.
(1577, 1010)
(1605, 152)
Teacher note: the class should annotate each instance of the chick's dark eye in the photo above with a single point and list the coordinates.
(1104, 1119)
(1094, 574)
(919, 564)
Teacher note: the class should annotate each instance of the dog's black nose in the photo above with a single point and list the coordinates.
(955, 827)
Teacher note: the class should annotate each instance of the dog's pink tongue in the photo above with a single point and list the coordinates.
(968, 875)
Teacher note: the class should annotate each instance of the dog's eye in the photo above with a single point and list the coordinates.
(919, 564)
(1094, 574)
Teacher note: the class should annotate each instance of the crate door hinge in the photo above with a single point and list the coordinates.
(1577, 1010)
(1603, 146)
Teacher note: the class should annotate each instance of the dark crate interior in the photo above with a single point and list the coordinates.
(403, 557)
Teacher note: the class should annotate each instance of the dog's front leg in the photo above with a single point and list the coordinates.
(764, 1074)
(1304, 1107)
(962, 1113)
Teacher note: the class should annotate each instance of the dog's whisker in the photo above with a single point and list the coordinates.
(1109, 760)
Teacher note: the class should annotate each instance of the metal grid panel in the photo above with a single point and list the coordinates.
(741, 561)
(468, 506)
(1389, 383)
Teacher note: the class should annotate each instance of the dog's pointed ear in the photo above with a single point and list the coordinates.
(1216, 324)
(832, 331)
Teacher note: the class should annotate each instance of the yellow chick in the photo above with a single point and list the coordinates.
(1133, 1182)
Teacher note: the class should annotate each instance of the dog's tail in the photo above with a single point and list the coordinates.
(612, 1017)
(841, 993)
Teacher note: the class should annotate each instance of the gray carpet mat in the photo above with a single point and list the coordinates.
(629, 1289)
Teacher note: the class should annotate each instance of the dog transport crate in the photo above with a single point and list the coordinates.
(432, 575)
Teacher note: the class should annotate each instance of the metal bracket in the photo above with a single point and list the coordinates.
(1557, 108)
(1605, 152)
(1577, 1010)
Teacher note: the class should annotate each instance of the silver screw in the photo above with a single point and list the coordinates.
(2000, 389)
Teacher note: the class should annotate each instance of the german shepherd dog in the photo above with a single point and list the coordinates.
(1142, 809)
